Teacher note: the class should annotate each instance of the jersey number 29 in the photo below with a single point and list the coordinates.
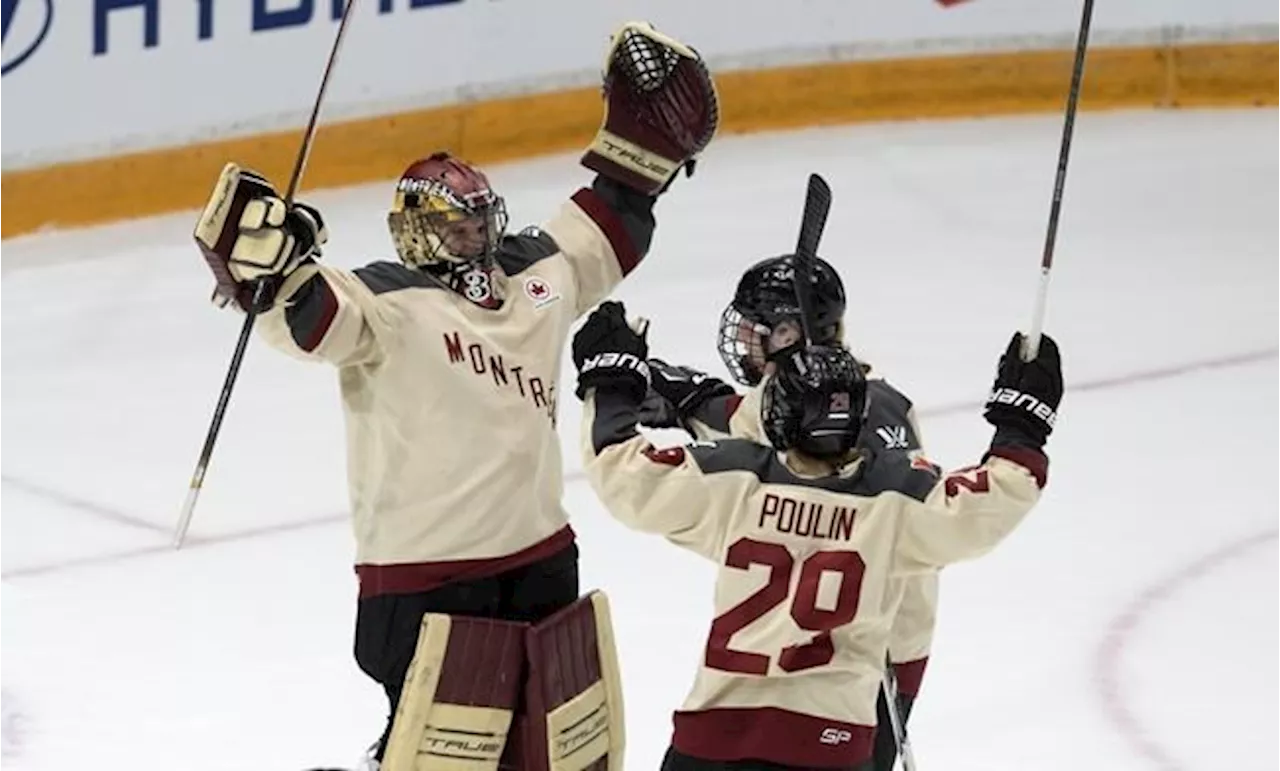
(819, 651)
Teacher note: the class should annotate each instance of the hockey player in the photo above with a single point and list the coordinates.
(761, 324)
(807, 533)
(448, 361)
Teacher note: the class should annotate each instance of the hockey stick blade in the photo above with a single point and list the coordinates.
(817, 205)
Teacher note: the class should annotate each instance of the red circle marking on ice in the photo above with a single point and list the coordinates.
(1120, 632)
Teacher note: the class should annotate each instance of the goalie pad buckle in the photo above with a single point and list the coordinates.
(661, 109)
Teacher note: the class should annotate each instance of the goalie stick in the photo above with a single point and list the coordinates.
(259, 297)
(817, 204)
(1031, 343)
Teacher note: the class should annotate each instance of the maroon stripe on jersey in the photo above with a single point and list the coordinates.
(909, 674)
(614, 229)
(310, 312)
(1032, 460)
(773, 735)
(414, 577)
(731, 405)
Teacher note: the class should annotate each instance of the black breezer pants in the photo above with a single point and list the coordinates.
(886, 747)
(678, 761)
(387, 625)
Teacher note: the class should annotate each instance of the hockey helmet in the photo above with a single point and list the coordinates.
(763, 319)
(445, 211)
(815, 402)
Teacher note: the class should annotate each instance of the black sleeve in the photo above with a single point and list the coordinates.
(716, 412)
(633, 208)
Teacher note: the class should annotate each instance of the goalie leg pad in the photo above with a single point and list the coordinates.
(459, 695)
(574, 691)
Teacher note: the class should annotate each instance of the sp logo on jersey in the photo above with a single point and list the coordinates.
(835, 736)
(537, 289)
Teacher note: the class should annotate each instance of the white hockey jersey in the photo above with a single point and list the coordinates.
(891, 425)
(796, 648)
(454, 463)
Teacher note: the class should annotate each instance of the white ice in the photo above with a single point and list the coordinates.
(1129, 625)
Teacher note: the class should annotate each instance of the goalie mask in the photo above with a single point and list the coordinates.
(815, 402)
(445, 212)
(763, 320)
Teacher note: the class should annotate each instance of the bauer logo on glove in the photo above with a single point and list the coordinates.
(1021, 400)
(617, 361)
(1025, 395)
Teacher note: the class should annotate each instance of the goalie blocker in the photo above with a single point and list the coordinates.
(484, 694)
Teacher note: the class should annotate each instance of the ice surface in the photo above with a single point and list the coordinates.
(1130, 624)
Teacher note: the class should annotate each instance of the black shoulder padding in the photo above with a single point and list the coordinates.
(892, 401)
(887, 425)
(531, 245)
(880, 472)
(894, 471)
(382, 277)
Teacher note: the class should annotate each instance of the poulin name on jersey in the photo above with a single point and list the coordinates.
(787, 515)
(541, 392)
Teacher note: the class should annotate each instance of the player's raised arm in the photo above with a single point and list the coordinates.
(971, 510)
(651, 490)
(313, 311)
(661, 111)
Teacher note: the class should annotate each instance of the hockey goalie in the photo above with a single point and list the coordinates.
(469, 614)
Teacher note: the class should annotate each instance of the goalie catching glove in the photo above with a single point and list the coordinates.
(249, 234)
(661, 110)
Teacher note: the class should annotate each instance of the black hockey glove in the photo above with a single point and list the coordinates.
(1023, 405)
(685, 388)
(610, 354)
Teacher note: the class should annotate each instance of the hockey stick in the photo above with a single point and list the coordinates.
(817, 205)
(889, 684)
(259, 297)
(1031, 343)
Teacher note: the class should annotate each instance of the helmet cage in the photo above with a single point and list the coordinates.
(430, 222)
(765, 298)
(741, 345)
